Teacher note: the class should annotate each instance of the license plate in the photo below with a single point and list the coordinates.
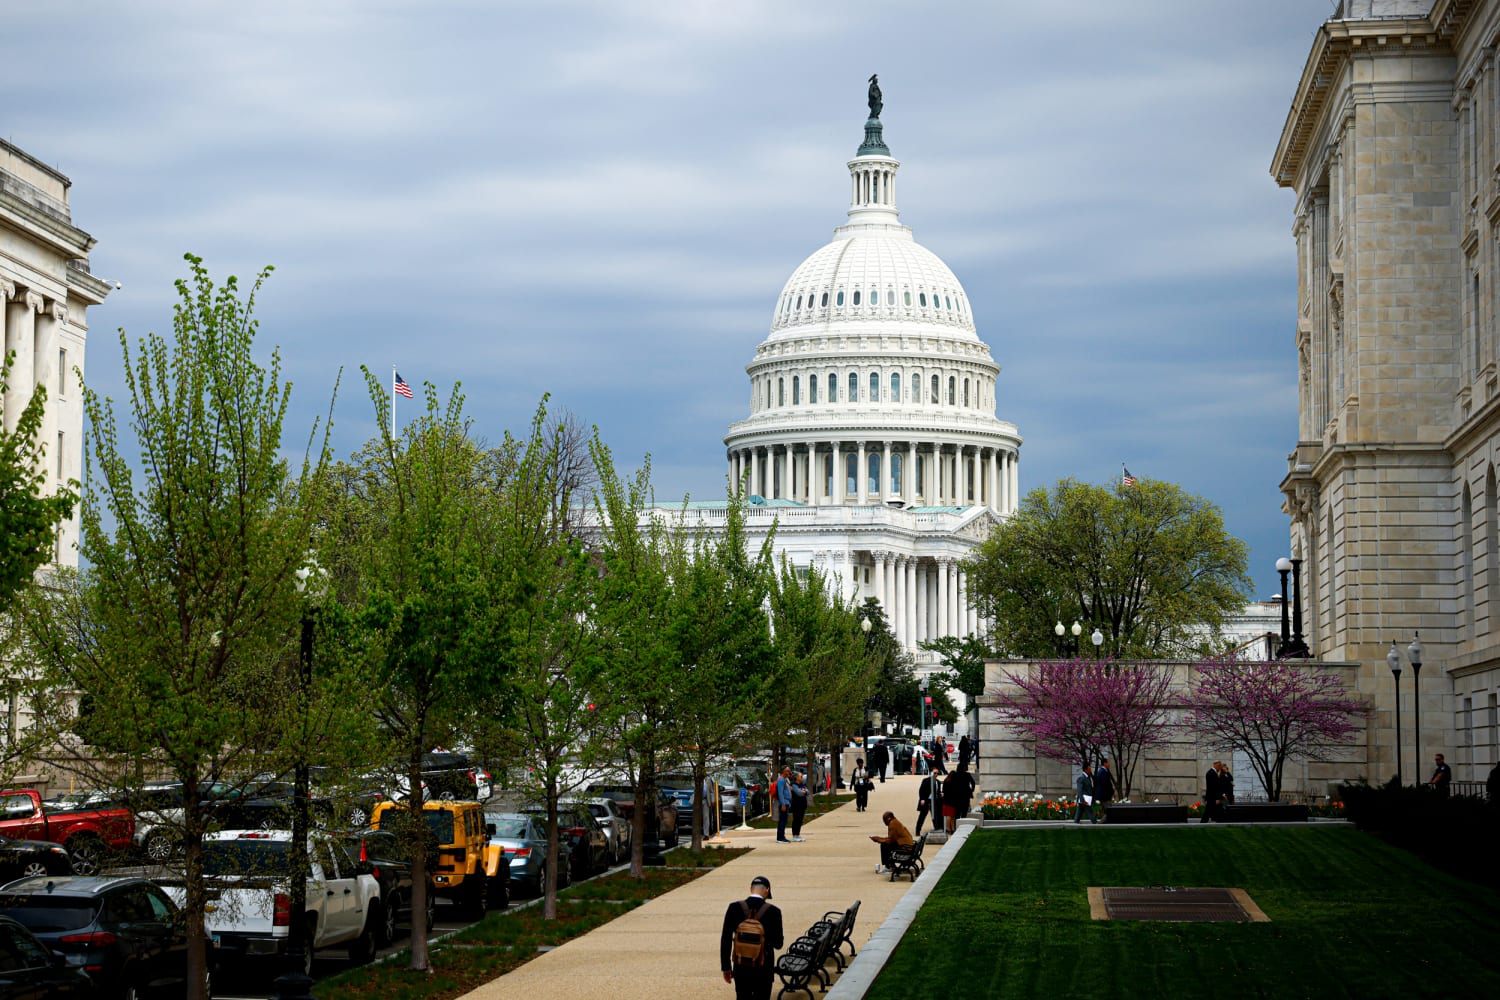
(215, 939)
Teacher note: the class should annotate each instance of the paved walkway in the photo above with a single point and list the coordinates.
(668, 949)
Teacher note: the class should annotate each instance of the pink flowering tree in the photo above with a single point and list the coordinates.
(1076, 709)
(1272, 712)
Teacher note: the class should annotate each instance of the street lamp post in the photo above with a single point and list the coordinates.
(294, 984)
(1098, 640)
(1067, 638)
(1293, 645)
(1393, 660)
(1414, 653)
(922, 718)
(1283, 567)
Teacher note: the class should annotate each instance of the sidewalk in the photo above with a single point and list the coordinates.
(668, 949)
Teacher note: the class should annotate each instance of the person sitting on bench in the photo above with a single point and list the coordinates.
(895, 833)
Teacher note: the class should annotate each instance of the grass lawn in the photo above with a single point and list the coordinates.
(1350, 917)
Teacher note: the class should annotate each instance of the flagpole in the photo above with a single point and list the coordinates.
(393, 402)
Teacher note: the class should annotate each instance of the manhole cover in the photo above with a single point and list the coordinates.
(1196, 904)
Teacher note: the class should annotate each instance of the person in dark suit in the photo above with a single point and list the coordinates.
(1211, 794)
(878, 759)
(1441, 775)
(963, 750)
(751, 982)
(1104, 785)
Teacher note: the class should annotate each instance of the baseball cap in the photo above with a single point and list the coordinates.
(762, 880)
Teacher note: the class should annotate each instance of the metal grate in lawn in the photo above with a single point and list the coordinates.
(1194, 904)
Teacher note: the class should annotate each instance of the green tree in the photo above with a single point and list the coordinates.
(411, 537)
(1149, 565)
(180, 635)
(896, 692)
(964, 659)
(28, 519)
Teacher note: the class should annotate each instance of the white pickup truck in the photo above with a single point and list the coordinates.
(249, 910)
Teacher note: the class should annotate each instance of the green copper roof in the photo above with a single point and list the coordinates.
(874, 141)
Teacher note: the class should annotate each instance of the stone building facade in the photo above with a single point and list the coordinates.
(45, 291)
(1392, 147)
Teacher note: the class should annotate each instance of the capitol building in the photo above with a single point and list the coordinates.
(871, 443)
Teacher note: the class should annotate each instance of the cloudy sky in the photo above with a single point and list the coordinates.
(602, 199)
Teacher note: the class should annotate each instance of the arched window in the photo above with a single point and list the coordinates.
(796, 389)
(856, 296)
(895, 475)
(812, 388)
(781, 392)
(853, 388)
(936, 393)
(966, 392)
(799, 302)
(874, 296)
(907, 295)
(895, 387)
(839, 299)
(828, 474)
(948, 303)
(824, 300)
(874, 387)
(851, 475)
(890, 296)
(833, 388)
(922, 298)
(768, 394)
(952, 382)
(872, 480)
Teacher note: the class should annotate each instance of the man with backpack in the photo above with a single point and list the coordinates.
(747, 946)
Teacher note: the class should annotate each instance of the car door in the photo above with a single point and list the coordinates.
(19, 819)
(339, 902)
(27, 971)
(140, 940)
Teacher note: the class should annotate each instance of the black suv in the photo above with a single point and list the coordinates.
(661, 822)
(387, 857)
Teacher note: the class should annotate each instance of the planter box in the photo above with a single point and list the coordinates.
(1145, 812)
(1265, 812)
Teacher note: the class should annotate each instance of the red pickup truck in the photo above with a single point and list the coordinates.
(89, 832)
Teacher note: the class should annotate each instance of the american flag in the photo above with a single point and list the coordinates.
(1127, 481)
(402, 389)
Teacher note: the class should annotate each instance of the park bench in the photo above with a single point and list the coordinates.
(804, 959)
(908, 860)
(843, 925)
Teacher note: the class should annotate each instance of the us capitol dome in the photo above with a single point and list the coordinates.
(871, 441)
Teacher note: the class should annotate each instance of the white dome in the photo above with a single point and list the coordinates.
(892, 277)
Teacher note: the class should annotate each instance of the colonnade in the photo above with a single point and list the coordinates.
(31, 328)
(833, 473)
(924, 597)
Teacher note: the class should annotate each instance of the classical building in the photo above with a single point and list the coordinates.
(45, 289)
(1392, 146)
(871, 442)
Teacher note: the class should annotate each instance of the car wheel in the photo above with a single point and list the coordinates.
(132, 991)
(362, 948)
(359, 817)
(478, 896)
(88, 855)
(499, 893)
(385, 930)
(34, 868)
(157, 848)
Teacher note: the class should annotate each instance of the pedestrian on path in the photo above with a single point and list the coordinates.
(879, 757)
(896, 834)
(1212, 791)
(924, 804)
(800, 795)
(958, 789)
(861, 780)
(1104, 786)
(752, 979)
(963, 749)
(783, 804)
(1084, 784)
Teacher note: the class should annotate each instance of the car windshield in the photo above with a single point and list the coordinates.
(246, 857)
(43, 914)
(598, 810)
(675, 782)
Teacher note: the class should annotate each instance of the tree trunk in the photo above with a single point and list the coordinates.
(420, 880)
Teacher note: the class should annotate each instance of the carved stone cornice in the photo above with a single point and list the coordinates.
(58, 311)
(7, 290)
(32, 301)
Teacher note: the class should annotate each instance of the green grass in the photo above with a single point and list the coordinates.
(1350, 917)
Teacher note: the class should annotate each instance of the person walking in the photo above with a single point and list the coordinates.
(752, 978)
(963, 749)
(1441, 775)
(800, 796)
(939, 755)
(1104, 786)
(1083, 783)
(878, 757)
(896, 834)
(861, 781)
(783, 804)
(1211, 794)
(918, 756)
(958, 789)
(1226, 787)
(924, 804)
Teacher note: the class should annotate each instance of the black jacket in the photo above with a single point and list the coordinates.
(770, 919)
(1104, 784)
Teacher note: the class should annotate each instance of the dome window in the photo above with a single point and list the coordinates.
(895, 387)
(833, 388)
(872, 478)
(799, 302)
(840, 299)
(952, 385)
(936, 392)
(895, 475)
(890, 296)
(824, 301)
(853, 388)
(922, 298)
(874, 387)
(812, 389)
(796, 390)
(948, 302)
(907, 293)
(781, 392)
(874, 296)
(966, 392)
(856, 296)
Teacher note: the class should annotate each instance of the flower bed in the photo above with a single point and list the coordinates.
(1024, 805)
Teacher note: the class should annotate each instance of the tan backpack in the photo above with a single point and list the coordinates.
(750, 939)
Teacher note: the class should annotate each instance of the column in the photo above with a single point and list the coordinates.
(48, 334)
(754, 471)
(908, 476)
(1015, 480)
(924, 628)
(884, 482)
(20, 337)
(879, 595)
(942, 597)
(909, 603)
(838, 471)
(861, 481)
(962, 593)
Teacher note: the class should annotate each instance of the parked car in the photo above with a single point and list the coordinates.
(900, 756)
(616, 826)
(446, 776)
(158, 807)
(757, 774)
(681, 788)
(352, 800)
(469, 870)
(522, 840)
(90, 831)
(124, 932)
(248, 876)
(580, 837)
(661, 822)
(29, 970)
(19, 858)
(388, 858)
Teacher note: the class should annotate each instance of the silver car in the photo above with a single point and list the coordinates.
(616, 826)
(523, 838)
